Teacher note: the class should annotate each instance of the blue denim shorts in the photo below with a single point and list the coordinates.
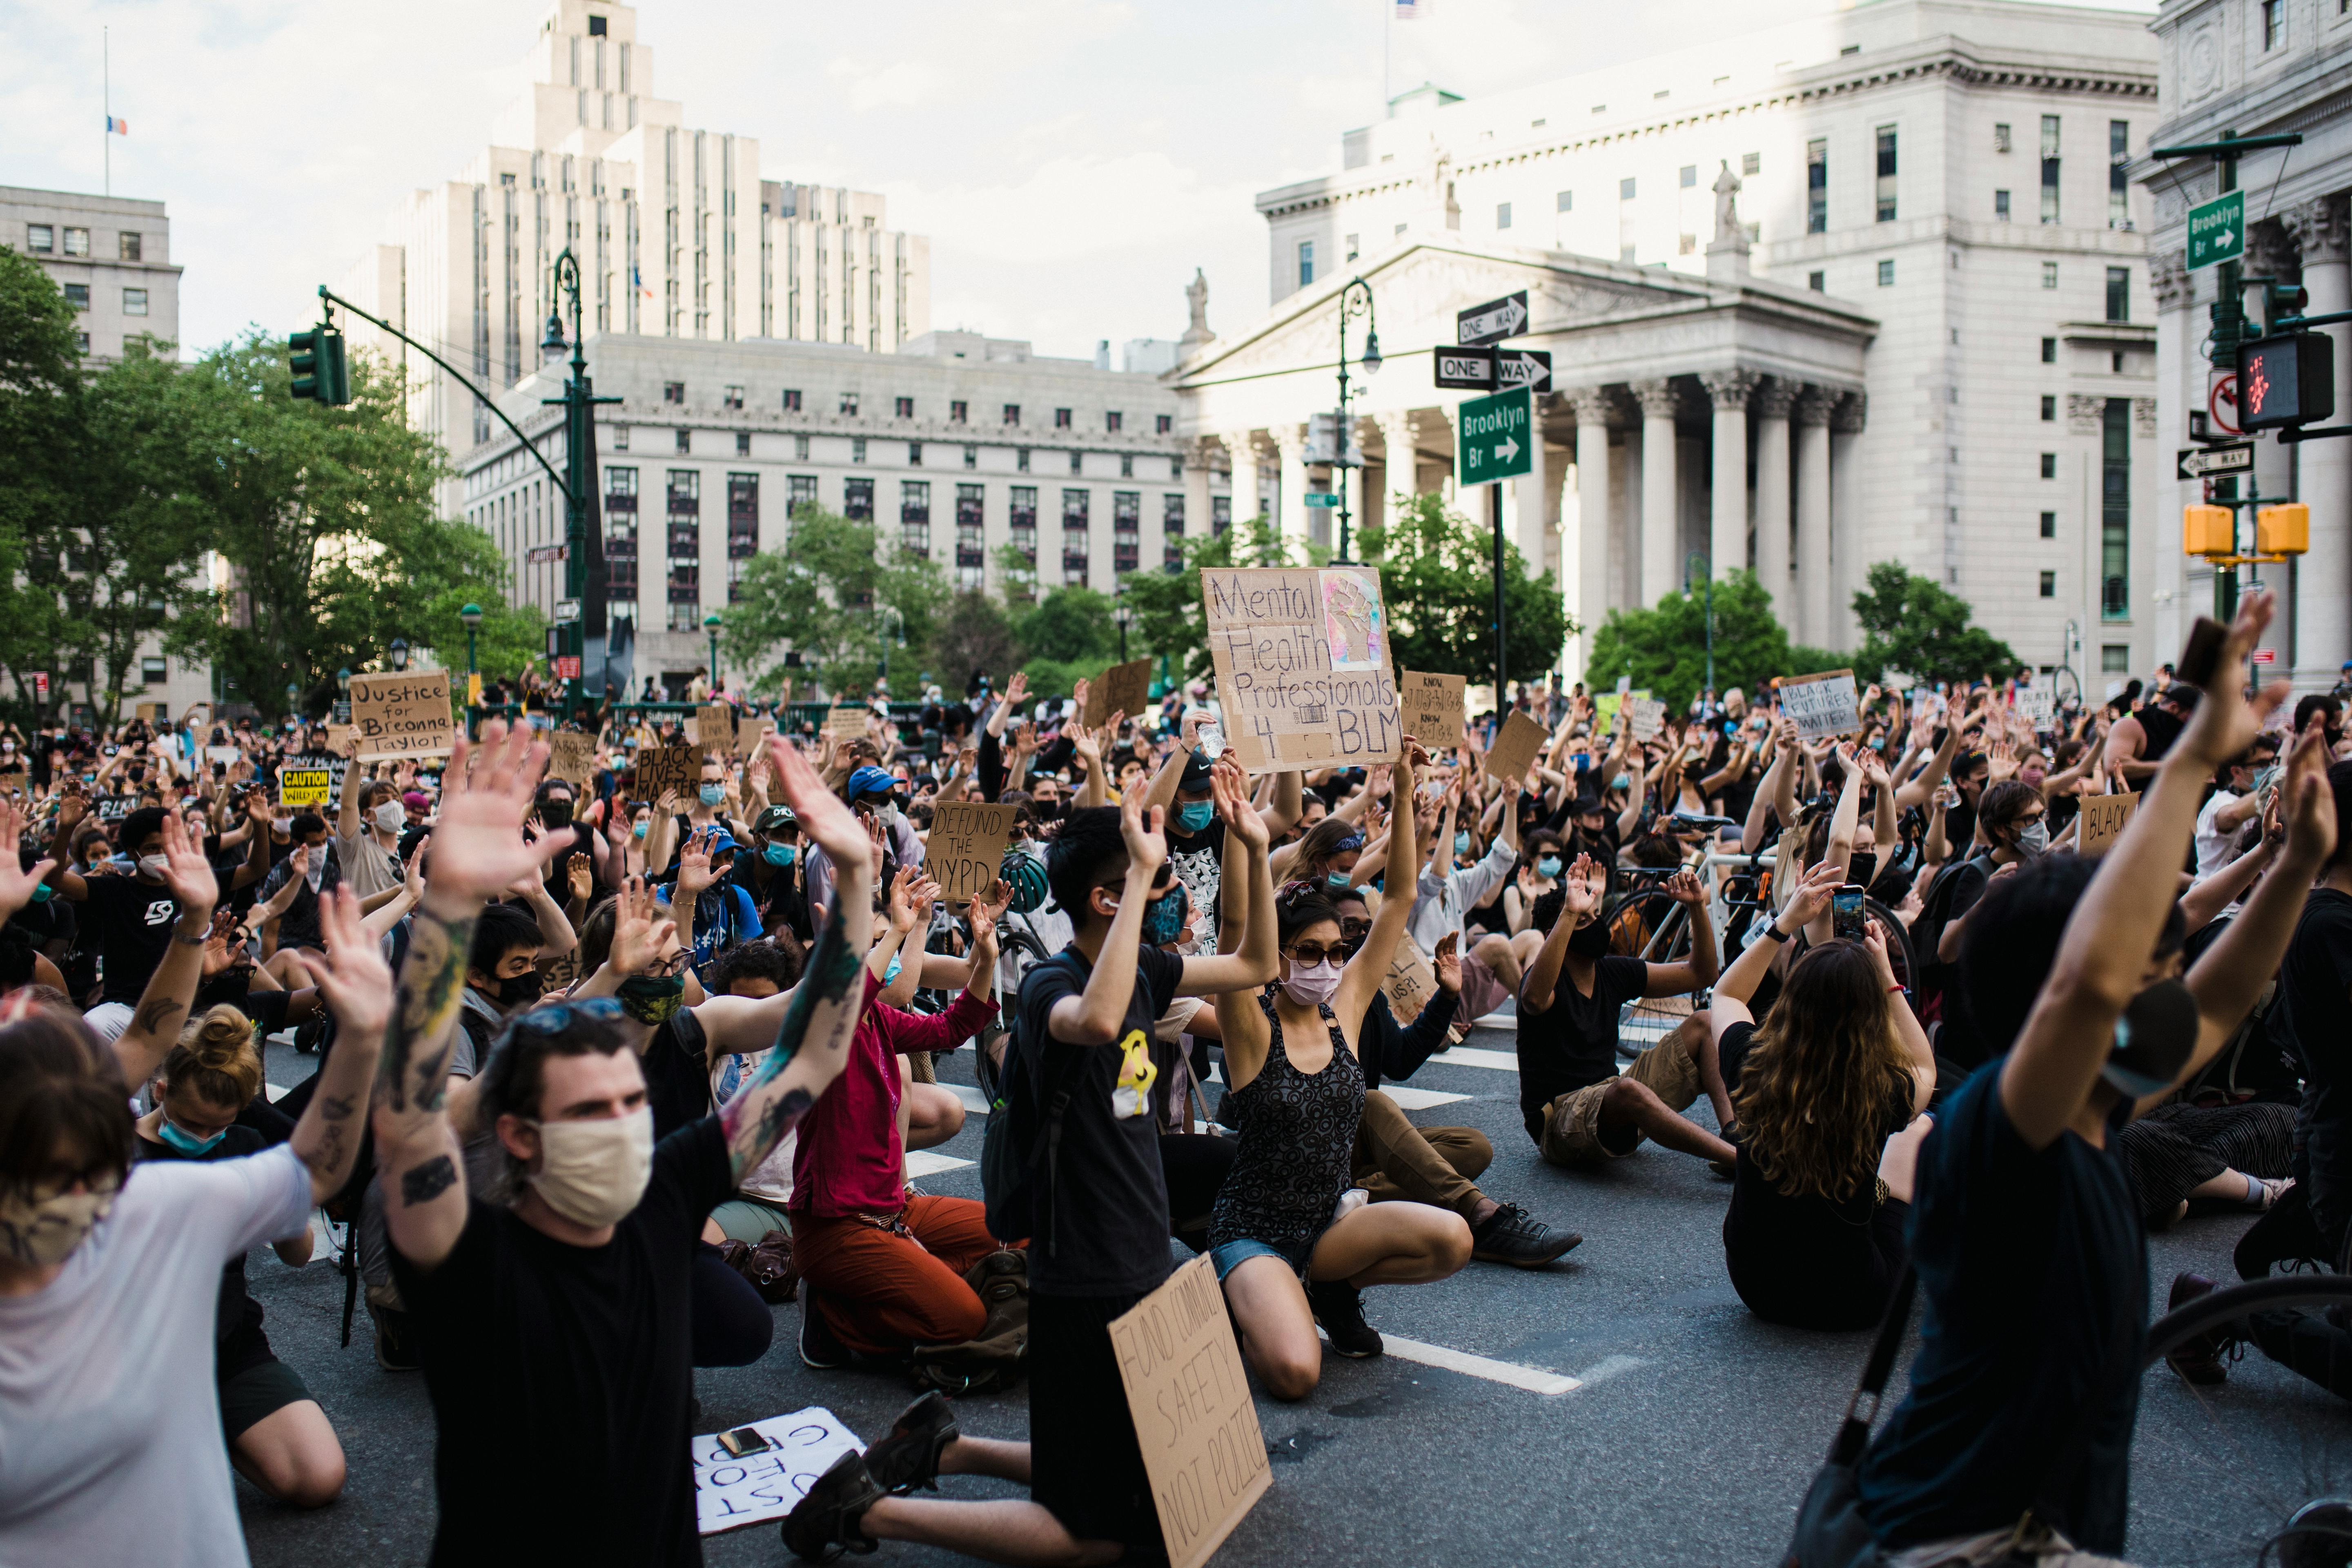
(1232, 1255)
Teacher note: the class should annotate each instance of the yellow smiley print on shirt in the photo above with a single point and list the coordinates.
(1131, 1096)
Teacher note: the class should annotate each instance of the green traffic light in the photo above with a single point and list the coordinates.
(320, 372)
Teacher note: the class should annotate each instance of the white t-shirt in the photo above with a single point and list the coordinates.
(110, 1447)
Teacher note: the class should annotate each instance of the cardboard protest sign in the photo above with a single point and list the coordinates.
(230, 754)
(305, 786)
(571, 757)
(1646, 716)
(751, 736)
(1822, 705)
(113, 808)
(2038, 705)
(1410, 982)
(404, 715)
(668, 767)
(713, 724)
(1121, 688)
(1302, 662)
(1514, 749)
(1604, 712)
(759, 1488)
(966, 847)
(2103, 818)
(17, 783)
(1433, 707)
(847, 722)
(1202, 1447)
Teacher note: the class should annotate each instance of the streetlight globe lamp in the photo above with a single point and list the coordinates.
(343, 681)
(399, 654)
(1371, 361)
(551, 347)
(711, 624)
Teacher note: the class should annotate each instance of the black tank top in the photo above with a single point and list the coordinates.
(1299, 1138)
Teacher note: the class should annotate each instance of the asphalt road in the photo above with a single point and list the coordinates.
(1689, 1438)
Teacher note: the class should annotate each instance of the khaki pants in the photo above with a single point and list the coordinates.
(1571, 1125)
(1397, 1162)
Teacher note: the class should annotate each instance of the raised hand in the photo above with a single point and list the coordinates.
(190, 875)
(1873, 939)
(1813, 894)
(694, 873)
(900, 905)
(2002, 761)
(2225, 722)
(478, 849)
(1581, 889)
(1146, 837)
(1446, 962)
(1684, 887)
(828, 822)
(1229, 788)
(581, 875)
(2310, 805)
(17, 887)
(353, 977)
(1016, 690)
(639, 937)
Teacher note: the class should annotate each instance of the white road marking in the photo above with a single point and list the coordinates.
(1471, 1057)
(1609, 1367)
(1535, 1380)
(974, 1102)
(1418, 1098)
(1507, 1022)
(923, 1163)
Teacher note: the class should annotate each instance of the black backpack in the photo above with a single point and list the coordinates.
(1020, 1152)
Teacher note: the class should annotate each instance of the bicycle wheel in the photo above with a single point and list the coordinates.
(1648, 925)
(1634, 920)
(2256, 1471)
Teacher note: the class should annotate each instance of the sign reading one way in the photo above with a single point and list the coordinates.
(1491, 321)
(1492, 438)
(2217, 230)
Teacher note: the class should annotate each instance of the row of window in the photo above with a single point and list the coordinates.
(859, 445)
(134, 300)
(48, 239)
(958, 409)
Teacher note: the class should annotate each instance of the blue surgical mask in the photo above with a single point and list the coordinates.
(1195, 815)
(640, 829)
(713, 794)
(1547, 866)
(778, 854)
(1339, 879)
(892, 972)
(1462, 843)
(187, 1143)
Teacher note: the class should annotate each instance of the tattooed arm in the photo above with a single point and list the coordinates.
(164, 1005)
(813, 1039)
(357, 985)
(477, 851)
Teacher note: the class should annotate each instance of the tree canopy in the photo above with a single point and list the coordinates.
(1914, 624)
(830, 596)
(1663, 648)
(1437, 573)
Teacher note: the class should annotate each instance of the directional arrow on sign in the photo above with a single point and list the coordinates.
(1491, 321)
(2223, 239)
(1507, 450)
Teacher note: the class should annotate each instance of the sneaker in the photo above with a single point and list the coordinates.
(395, 1341)
(2198, 1360)
(909, 1457)
(1511, 1235)
(1341, 1309)
(821, 1349)
(824, 1524)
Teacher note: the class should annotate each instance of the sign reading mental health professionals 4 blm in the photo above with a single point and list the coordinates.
(2217, 230)
(1493, 437)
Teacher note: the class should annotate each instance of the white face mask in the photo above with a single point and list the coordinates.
(1311, 985)
(592, 1173)
(156, 866)
(390, 816)
(318, 871)
(43, 1232)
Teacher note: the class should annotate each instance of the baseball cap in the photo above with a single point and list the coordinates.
(870, 780)
(1197, 768)
(417, 800)
(775, 817)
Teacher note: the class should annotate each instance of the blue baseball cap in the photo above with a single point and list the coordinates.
(871, 780)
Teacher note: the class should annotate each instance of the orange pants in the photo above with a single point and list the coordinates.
(884, 1291)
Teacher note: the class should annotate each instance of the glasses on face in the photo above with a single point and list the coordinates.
(554, 1017)
(1311, 953)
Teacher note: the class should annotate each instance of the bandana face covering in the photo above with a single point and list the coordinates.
(44, 1232)
(1163, 917)
(652, 999)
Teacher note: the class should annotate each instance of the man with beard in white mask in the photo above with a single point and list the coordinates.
(368, 829)
(554, 1314)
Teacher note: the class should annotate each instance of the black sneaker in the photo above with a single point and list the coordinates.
(395, 1341)
(2197, 1360)
(909, 1457)
(1511, 1235)
(821, 1349)
(1341, 1309)
(824, 1524)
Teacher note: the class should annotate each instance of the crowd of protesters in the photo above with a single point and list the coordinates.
(585, 1057)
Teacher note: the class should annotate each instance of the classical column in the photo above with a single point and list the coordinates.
(1241, 451)
(2180, 388)
(1661, 522)
(1728, 469)
(2322, 578)
(1814, 516)
(1848, 567)
(1398, 461)
(1584, 562)
(1772, 401)
(1435, 426)
(1198, 503)
(1290, 509)
(1526, 515)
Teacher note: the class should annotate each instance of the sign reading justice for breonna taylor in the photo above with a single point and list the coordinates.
(1302, 660)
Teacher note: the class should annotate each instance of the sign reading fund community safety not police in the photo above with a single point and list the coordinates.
(1302, 660)
(1203, 1451)
(402, 715)
(2217, 230)
(1492, 438)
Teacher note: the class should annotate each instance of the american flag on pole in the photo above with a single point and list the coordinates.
(1410, 10)
(117, 126)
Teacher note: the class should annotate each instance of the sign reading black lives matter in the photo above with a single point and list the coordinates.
(1302, 660)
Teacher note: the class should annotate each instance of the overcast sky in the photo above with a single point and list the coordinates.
(1072, 160)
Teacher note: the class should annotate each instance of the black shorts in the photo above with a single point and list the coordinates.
(1085, 1466)
(255, 1389)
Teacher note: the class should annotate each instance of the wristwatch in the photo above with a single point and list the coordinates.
(1773, 932)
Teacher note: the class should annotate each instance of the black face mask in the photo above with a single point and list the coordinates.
(555, 813)
(1589, 941)
(1864, 868)
(1045, 810)
(519, 990)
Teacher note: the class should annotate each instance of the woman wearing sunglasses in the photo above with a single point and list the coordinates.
(1291, 1240)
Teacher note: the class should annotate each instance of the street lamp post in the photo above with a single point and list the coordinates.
(343, 695)
(1125, 618)
(293, 700)
(1355, 299)
(1706, 576)
(472, 615)
(710, 626)
(584, 575)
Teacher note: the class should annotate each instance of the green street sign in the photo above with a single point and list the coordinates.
(1493, 437)
(2217, 230)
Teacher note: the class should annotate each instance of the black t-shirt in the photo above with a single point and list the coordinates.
(2033, 1290)
(558, 881)
(562, 1374)
(131, 920)
(1572, 1044)
(2315, 988)
(678, 1074)
(1103, 1228)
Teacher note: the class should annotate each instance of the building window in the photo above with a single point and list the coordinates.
(958, 411)
(1819, 282)
(2114, 659)
(915, 518)
(1564, 202)
(2001, 207)
(685, 442)
(2119, 294)
(2116, 361)
(858, 499)
(2050, 585)
(743, 515)
(800, 448)
(857, 448)
(2050, 275)
(1074, 505)
(2049, 408)
(791, 400)
(40, 239)
(130, 247)
(800, 494)
(905, 407)
(2049, 168)
(971, 457)
(1126, 530)
(1625, 190)
(77, 242)
(849, 406)
(972, 527)
(1221, 514)
(1687, 176)
(1502, 214)
(2001, 137)
(1162, 423)
(914, 454)
(1886, 173)
(1817, 186)
(620, 438)
(1172, 531)
(1077, 463)
(621, 491)
(674, 391)
(1113, 421)
(78, 295)
(735, 579)
(2114, 511)
(2049, 350)
(81, 343)
(2274, 24)
(686, 601)
(2049, 464)
(153, 672)
(2049, 525)
(1021, 459)
(1751, 162)
(742, 443)
(731, 398)
(1353, 248)
(1061, 418)
(1886, 274)
(1021, 516)
(2119, 181)
(1012, 414)
(1306, 267)
(685, 492)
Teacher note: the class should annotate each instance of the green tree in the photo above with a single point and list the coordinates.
(1170, 622)
(40, 373)
(1663, 648)
(973, 633)
(1914, 625)
(1437, 575)
(1069, 637)
(832, 597)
